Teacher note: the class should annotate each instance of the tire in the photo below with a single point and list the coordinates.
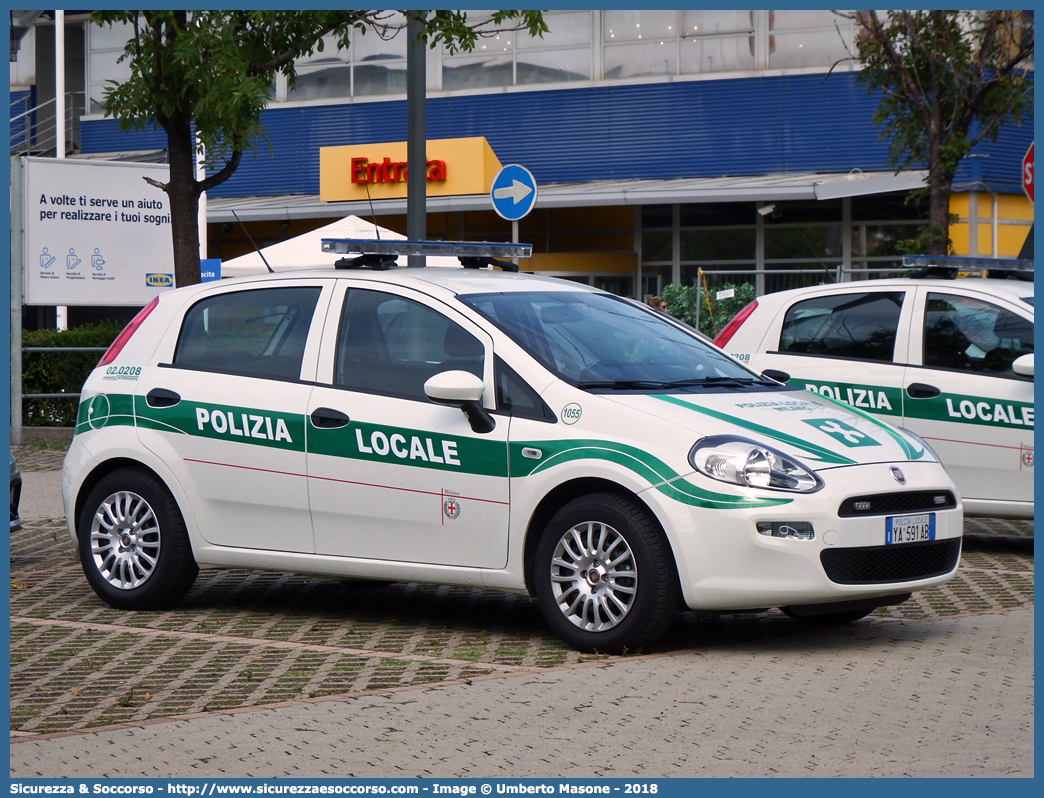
(134, 548)
(605, 576)
(827, 618)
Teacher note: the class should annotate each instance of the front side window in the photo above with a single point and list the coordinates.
(258, 333)
(971, 335)
(391, 345)
(862, 326)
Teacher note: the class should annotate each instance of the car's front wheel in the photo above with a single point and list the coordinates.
(133, 544)
(605, 576)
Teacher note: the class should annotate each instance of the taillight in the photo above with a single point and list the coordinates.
(729, 329)
(128, 331)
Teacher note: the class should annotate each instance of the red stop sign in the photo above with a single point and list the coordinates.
(1027, 173)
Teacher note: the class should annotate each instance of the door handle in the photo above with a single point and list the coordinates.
(161, 397)
(918, 390)
(328, 418)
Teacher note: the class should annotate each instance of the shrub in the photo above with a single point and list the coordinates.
(60, 372)
(681, 303)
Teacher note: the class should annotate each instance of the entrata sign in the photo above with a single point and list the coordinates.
(1027, 173)
(363, 172)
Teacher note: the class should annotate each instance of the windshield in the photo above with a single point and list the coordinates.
(601, 341)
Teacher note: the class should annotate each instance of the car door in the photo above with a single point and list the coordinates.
(962, 395)
(848, 345)
(393, 476)
(225, 410)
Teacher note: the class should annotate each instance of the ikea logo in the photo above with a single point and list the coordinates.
(159, 280)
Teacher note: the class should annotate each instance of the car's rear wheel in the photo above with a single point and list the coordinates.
(134, 548)
(605, 577)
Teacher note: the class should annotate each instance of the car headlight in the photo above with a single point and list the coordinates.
(753, 465)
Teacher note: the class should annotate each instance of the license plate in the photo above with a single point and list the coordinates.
(909, 528)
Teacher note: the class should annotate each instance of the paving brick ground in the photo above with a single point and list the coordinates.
(264, 675)
(251, 639)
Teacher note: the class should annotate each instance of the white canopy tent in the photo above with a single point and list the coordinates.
(305, 252)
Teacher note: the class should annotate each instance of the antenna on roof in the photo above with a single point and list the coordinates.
(257, 249)
(373, 216)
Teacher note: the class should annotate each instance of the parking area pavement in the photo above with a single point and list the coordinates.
(258, 674)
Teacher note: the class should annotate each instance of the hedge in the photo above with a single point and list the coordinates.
(681, 303)
(60, 372)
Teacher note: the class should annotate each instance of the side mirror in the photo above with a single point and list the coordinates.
(464, 390)
(1023, 366)
(775, 374)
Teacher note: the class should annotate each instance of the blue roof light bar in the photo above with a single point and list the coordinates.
(953, 266)
(395, 248)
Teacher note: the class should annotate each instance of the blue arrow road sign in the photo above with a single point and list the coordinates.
(514, 192)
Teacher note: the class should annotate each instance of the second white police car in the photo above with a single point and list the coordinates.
(490, 429)
(941, 352)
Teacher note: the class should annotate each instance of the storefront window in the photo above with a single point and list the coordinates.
(802, 242)
(657, 216)
(879, 240)
(656, 246)
(731, 244)
(718, 214)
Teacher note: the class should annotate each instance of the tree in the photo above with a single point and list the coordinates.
(205, 76)
(948, 80)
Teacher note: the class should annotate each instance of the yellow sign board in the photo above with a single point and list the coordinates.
(378, 171)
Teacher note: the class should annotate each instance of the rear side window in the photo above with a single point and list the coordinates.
(971, 335)
(391, 345)
(257, 333)
(861, 326)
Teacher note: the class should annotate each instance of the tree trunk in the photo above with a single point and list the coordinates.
(939, 183)
(184, 202)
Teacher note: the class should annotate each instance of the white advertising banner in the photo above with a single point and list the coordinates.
(95, 233)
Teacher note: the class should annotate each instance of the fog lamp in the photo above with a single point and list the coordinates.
(794, 530)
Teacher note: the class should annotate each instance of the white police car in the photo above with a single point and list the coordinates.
(490, 429)
(948, 357)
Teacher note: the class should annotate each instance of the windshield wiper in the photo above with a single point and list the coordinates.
(715, 381)
(620, 385)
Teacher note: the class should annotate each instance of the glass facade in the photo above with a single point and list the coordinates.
(580, 46)
(796, 243)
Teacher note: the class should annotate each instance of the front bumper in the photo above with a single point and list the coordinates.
(725, 564)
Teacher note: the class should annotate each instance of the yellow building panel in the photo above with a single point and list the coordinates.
(959, 237)
(959, 205)
(581, 262)
(1015, 207)
(1010, 238)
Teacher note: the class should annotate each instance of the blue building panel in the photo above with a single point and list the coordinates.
(712, 128)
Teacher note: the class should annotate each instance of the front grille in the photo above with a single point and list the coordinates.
(905, 562)
(889, 503)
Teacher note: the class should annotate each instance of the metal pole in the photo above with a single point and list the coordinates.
(416, 138)
(61, 312)
(17, 208)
